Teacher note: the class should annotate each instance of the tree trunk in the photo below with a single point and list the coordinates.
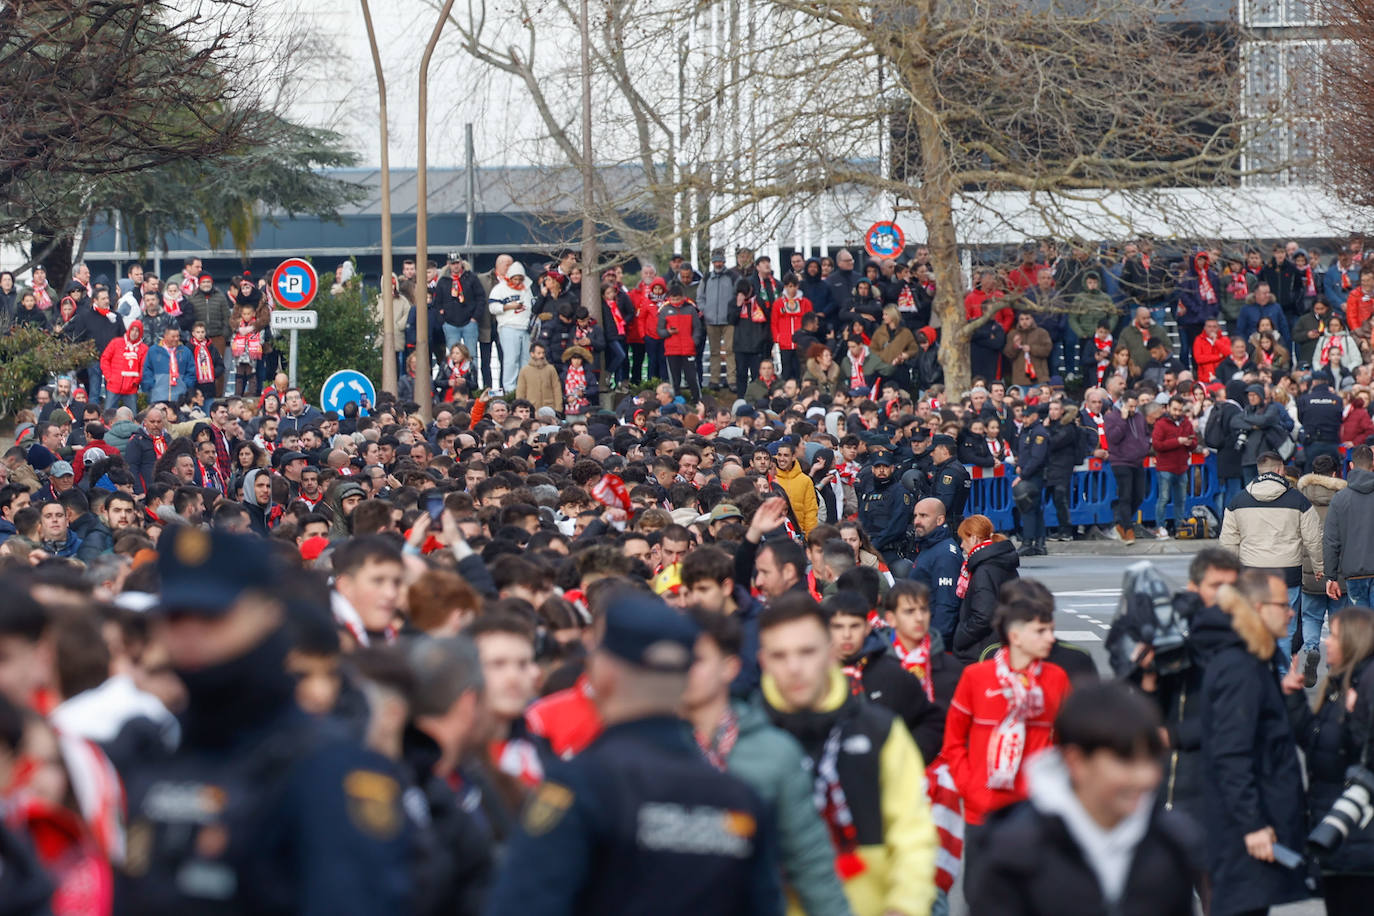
(935, 200)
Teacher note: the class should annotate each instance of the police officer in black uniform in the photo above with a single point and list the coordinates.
(1032, 456)
(949, 480)
(885, 505)
(261, 809)
(1320, 412)
(640, 822)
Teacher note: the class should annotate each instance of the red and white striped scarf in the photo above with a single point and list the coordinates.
(961, 587)
(518, 758)
(947, 811)
(1101, 427)
(205, 365)
(574, 389)
(917, 661)
(174, 370)
(1311, 281)
(856, 370)
(1333, 346)
(721, 742)
(1025, 699)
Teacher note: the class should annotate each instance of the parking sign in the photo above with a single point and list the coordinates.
(294, 283)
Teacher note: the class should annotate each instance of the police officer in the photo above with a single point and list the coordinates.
(885, 505)
(949, 480)
(1032, 455)
(1320, 412)
(261, 809)
(640, 822)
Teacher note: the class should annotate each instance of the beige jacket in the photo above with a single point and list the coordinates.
(539, 384)
(1270, 524)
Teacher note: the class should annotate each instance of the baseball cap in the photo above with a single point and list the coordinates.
(648, 634)
(61, 469)
(204, 572)
(723, 511)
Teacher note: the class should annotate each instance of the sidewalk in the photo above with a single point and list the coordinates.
(1143, 547)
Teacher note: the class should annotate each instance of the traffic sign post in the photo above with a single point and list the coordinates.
(884, 240)
(347, 385)
(294, 284)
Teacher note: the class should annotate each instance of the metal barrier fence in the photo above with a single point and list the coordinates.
(1092, 491)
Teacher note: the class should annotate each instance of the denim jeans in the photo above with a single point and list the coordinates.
(1315, 609)
(1357, 591)
(465, 335)
(121, 400)
(1171, 487)
(95, 382)
(1285, 645)
(515, 352)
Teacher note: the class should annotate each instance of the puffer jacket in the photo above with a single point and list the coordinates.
(1348, 531)
(1331, 740)
(1035, 862)
(801, 493)
(1251, 775)
(882, 774)
(1270, 524)
(214, 309)
(773, 764)
(988, 568)
(716, 296)
(1319, 490)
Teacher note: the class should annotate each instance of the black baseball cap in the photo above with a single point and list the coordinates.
(204, 572)
(646, 633)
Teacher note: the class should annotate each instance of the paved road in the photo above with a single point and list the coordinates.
(1087, 590)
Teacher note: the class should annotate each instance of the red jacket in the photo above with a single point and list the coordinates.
(1357, 309)
(973, 308)
(646, 314)
(122, 362)
(974, 714)
(787, 324)
(567, 719)
(1209, 354)
(1357, 426)
(1171, 456)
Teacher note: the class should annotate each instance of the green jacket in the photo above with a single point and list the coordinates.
(773, 764)
(1087, 310)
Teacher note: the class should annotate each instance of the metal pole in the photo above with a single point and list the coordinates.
(424, 388)
(591, 278)
(389, 368)
(472, 190)
(291, 359)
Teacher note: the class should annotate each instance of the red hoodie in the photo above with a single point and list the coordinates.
(122, 361)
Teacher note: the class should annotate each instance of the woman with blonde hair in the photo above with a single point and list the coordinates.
(1334, 737)
(990, 560)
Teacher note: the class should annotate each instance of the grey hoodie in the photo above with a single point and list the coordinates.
(1348, 538)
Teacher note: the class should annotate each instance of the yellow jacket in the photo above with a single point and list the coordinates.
(801, 493)
(897, 838)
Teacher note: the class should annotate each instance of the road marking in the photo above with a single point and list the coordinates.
(1077, 636)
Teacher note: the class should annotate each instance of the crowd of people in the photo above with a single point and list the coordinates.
(589, 641)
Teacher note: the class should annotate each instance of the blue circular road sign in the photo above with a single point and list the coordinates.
(348, 385)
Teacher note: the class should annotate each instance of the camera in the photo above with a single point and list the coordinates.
(1353, 810)
(1150, 614)
(1241, 440)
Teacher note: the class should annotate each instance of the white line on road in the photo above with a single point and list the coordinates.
(1077, 635)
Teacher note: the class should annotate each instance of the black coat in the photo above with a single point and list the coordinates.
(1331, 740)
(988, 569)
(985, 351)
(888, 684)
(1251, 775)
(1070, 444)
(1032, 866)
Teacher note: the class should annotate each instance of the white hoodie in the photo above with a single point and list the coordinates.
(1108, 852)
(503, 294)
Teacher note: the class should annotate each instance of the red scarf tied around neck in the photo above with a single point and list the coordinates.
(961, 587)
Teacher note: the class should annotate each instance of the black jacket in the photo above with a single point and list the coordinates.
(1251, 775)
(1070, 444)
(985, 351)
(1033, 866)
(1331, 740)
(460, 306)
(988, 569)
(888, 684)
(25, 887)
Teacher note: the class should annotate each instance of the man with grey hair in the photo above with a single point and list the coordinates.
(448, 696)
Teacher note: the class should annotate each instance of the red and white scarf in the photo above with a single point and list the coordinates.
(173, 370)
(1025, 698)
(159, 445)
(906, 300)
(1333, 346)
(574, 389)
(41, 294)
(833, 805)
(247, 343)
(1311, 282)
(205, 364)
(518, 757)
(1204, 286)
(961, 587)
(721, 742)
(1029, 366)
(189, 285)
(856, 370)
(1102, 348)
(1345, 279)
(998, 448)
(171, 307)
(1239, 287)
(917, 661)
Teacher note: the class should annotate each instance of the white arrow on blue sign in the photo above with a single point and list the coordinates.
(344, 386)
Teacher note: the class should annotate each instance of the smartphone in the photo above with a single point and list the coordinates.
(1287, 857)
(434, 505)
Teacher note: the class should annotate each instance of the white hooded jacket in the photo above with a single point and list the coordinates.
(503, 294)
